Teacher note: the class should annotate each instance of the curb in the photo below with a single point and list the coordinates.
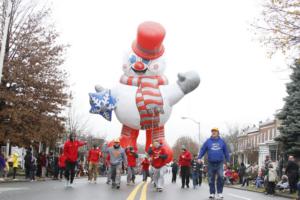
(276, 194)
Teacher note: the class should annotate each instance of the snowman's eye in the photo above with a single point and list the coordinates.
(132, 59)
(146, 61)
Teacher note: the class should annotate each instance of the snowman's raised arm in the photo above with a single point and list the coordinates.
(99, 88)
(185, 84)
(188, 81)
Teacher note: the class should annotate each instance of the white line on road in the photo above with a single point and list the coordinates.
(238, 196)
(12, 189)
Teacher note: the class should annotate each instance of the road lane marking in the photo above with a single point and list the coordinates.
(144, 191)
(12, 189)
(134, 191)
(238, 196)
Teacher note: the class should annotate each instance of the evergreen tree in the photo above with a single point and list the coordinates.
(290, 115)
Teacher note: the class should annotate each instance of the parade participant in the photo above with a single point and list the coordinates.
(117, 157)
(196, 171)
(174, 167)
(185, 159)
(158, 156)
(93, 159)
(216, 150)
(131, 161)
(145, 168)
(71, 152)
(108, 168)
(61, 164)
(292, 171)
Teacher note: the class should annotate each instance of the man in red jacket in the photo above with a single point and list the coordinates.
(145, 168)
(159, 156)
(185, 160)
(71, 152)
(131, 162)
(93, 159)
(61, 164)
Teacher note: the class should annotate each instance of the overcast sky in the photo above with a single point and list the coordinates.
(239, 83)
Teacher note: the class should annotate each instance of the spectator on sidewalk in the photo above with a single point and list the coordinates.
(174, 167)
(241, 172)
(55, 167)
(28, 163)
(2, 166)
(234, 177)
(145, 168)
(15, 160)
(259, 181)
(283, 184)
(6, 169)
(247, 175)
(292, 171)
(298, 189)
(228, 174)
(185, 159)
(33, 167)
(271, 178)
(43, 165)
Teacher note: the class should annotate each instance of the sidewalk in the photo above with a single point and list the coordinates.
(22, 179)
(261, 190)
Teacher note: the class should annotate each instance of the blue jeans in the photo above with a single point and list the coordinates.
(215, 169)
(195, 176)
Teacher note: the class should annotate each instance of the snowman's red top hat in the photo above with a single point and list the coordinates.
(148, 44)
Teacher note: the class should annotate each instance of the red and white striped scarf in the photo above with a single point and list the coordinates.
(148, 98)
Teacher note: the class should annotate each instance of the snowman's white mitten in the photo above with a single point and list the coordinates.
(188, 81)
(99, 88)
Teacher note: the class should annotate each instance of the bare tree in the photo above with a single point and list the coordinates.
(188, 142)
(279, 27)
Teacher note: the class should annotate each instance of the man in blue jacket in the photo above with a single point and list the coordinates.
(217, 153)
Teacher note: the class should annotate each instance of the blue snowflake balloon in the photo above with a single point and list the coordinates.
(102, 103)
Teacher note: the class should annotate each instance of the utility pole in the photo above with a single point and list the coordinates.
(4, 36)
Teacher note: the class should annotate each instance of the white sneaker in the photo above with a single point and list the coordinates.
(67, 184)
(220, 196)
(71, 185)
(211, 196)
(89, 181)
(95, 182)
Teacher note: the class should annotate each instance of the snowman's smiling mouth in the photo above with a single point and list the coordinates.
(139, 71)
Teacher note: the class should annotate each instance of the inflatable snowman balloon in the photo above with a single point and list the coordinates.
(144, 99)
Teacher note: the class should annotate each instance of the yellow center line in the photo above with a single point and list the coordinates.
(134, 191)
(144, 192)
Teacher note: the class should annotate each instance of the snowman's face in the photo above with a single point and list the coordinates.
(134, 65)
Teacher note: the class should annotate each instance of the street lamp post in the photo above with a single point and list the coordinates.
(196, 122)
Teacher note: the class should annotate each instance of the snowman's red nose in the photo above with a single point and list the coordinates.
(139, 66)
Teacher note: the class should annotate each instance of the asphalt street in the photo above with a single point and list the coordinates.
(82, 190)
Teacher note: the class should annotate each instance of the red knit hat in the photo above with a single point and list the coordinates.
(148, 44)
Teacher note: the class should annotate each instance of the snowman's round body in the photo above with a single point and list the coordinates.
(126, 108)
